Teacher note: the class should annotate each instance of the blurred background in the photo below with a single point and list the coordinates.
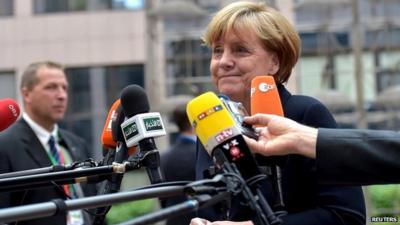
(350, 61)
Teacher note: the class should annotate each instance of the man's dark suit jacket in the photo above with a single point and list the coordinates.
(178, 164)
(358, 157)
(305, 200)
(20, 149)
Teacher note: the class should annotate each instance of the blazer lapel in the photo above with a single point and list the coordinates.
(69, 145)
(33, 147)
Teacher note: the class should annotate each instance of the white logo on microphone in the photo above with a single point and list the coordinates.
(264, 87)
(13, 110)
(252, 91)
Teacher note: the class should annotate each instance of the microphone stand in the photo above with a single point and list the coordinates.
(64, 177)
(47, 209)
(197, 202)
(257, 202)
(113, 184)
(202, 196)
(49, 169)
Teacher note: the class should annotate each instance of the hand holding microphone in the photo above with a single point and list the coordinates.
(222, 138)
(281, 136)
(277, 135)
(264, 98)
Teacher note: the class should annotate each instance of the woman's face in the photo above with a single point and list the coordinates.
(236, 60)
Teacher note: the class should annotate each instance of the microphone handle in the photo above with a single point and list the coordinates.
(257, 201)
(151, 160)
(114, 184)
(276, 179)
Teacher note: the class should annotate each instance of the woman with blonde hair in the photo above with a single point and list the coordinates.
(248, 39)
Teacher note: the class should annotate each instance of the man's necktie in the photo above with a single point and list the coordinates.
(58, 160)
(53, 150)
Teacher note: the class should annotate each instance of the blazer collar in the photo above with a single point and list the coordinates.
(32, 145)
(284, 94)
(69, 145)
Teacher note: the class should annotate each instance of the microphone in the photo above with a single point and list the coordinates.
(265, 96)
(140, 127)
(112, 139)
(265, 99)
(220, 135)
(108, 138)
(222, 138)
(107, 141)
(9, 112)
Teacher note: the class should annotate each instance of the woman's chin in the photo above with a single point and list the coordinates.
(229, 88)
(228, 92)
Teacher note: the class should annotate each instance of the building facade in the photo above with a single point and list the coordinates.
(107, 44)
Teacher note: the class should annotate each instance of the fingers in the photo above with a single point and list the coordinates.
(259, 119)
(253, 144)
(260, 147)
(199, 221)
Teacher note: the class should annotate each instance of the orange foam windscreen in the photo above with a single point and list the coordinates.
(265, 96)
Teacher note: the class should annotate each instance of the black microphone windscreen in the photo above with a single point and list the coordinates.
(134, 100)
(116, 130)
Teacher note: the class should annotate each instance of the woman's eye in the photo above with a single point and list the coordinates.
(241, 50)
(217, 52)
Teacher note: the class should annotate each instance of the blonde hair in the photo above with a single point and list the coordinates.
(273, 29)
(29, 76)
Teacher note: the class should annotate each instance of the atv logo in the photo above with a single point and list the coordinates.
(225, 134)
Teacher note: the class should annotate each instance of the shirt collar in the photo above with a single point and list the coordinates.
(42, 134)
(191, 138)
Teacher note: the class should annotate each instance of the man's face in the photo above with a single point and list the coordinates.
(47, 102)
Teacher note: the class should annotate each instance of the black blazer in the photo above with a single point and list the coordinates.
(178, 164)
(305, 200)
(358, 157)
(20, 149)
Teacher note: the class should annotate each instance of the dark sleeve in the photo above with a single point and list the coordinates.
(203, 163)
(358, 157)
(5, 167)
(79, 151)
(310, 203)
(7, 143)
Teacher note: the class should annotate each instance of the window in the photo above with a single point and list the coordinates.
(314, 42)
(6, 7)
(383, 38)
(117, 77)
(387, 78)
(92, 90)
(7, 85)
(51, 6)
(188, 63)
(127, 4)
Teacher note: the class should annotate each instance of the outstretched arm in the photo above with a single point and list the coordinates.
(281, 136)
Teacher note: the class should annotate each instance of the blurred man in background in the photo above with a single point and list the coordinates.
(178, 162)
(36, 141)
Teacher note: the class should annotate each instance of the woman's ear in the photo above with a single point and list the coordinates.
(274, 67)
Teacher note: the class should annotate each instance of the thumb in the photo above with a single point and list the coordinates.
(253, 144)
